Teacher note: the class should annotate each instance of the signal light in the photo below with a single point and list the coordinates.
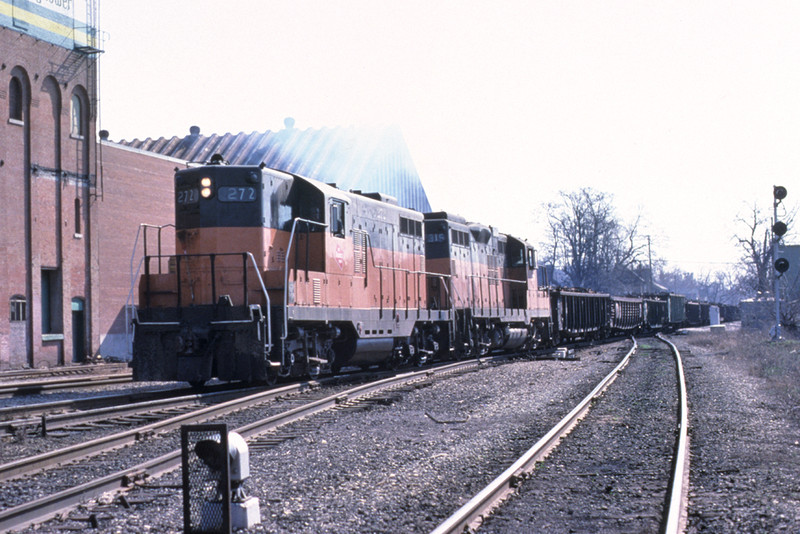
(779, 192)
(781, 265)
(779, 228)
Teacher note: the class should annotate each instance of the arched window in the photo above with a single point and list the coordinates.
(78, 124)
(15, 98)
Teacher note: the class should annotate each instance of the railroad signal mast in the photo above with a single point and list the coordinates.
(781, 264)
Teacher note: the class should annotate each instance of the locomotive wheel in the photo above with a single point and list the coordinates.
(390, 364)
(415, 356)
(314, 371)
(272, 378)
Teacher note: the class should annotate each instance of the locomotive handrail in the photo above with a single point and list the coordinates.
(441, 276)
(212, 257)
(496, 279)
(409, 271)
(285, 326)
(129, 300)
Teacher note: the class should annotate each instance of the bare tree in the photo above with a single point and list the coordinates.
(756, 245)
(712, 287)
(589, 242)
(756, 248)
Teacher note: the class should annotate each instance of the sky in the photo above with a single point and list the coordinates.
(686, 113)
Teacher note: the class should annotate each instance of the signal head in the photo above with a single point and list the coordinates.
(781, 265)
(779, 192)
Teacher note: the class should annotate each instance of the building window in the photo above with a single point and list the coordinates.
(51, 301)
(15, 98)
(78, 125)
(77, 216)
(19, 308)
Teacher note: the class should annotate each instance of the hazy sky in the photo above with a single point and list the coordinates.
(686, 112)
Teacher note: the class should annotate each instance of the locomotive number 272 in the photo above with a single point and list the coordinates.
(237, 194)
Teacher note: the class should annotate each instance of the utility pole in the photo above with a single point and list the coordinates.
(650, 261)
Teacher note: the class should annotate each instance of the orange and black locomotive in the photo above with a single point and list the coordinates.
(280, 275)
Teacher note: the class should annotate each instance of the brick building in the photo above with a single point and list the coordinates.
(67, 218)
(73, 206)
(47, 181)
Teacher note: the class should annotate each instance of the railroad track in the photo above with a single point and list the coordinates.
(22, 514)
(119, 410)
(472, 514)
(62, 371)
(31, 387)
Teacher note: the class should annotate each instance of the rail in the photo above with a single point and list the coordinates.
(20, 516)
(676, 498)
(38, 386)
(470, 513)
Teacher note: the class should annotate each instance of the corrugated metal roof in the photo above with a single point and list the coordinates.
(365, 159)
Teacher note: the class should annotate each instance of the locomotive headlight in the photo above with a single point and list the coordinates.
(205, 185)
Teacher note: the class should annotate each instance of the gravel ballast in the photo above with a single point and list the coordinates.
(401, 466)
(745, 443)
(611, 473)
(408, 462)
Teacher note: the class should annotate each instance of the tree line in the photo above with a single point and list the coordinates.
(590, 246)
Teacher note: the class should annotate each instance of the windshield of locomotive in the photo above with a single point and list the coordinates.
(218, 196)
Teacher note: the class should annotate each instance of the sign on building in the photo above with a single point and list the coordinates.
(71, 24)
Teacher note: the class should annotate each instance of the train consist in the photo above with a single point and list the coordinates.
(283, 276)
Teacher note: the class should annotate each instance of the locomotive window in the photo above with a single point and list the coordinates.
(517, 258)
(237, 194)
(459, 238)
(284, 216)
(187, 196)
(410, 227)
(337, 218)
(531, 259)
